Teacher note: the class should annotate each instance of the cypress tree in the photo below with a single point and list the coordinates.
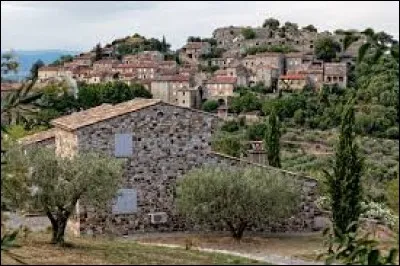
(272, 140)
(97, 51)
(344, 186)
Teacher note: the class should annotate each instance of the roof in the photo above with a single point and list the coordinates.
(100, 113)
(10, 86)
(294, 55)
(195, 45)
(220, 72)
(222, 79)
(293, 77)
(106, 61)
(38, 137)
(106, 111)
(49, 68)
(177, 77)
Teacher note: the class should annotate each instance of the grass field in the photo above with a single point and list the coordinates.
(35, 249)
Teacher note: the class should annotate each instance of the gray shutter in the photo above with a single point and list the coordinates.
(126, 202)
(123, 145)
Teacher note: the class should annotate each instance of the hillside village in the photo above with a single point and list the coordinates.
(188, 84)
(160, 138)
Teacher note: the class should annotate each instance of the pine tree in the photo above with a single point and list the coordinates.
(272, 140)
(344, 186)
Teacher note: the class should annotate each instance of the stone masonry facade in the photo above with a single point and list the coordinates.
(168, 141)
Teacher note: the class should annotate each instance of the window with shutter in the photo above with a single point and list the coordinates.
(126, 202)
(123, 145)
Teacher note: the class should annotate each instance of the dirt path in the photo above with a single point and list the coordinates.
(268, 258)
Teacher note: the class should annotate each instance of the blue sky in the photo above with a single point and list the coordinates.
(32, 25)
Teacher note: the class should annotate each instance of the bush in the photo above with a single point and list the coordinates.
(248, 33)
(256, 131)
(230, 126)
(229, 145)
(237, 197)
(210, 106)
(392, 133)
(380, 212)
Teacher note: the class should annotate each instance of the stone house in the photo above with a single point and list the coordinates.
(236, 69)
(266, 74)
(335, 73)
(81, 60)
(105, 64)
(165, 87)
(159, 143)
(220, 88)
(192, 51)
(294, 62)
(189, 97)
(220, 62)
(82, 73)
(292, 82)
(276, 60)
(47, 72)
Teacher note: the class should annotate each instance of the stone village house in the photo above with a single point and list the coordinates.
(159, 142)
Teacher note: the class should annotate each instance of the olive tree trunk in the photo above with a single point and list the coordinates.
(238, 230)
(58, 224)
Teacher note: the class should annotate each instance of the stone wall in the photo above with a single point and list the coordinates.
(168, 141)
(65, 143)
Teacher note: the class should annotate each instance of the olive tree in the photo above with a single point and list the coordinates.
(54, 184)
(237, 197)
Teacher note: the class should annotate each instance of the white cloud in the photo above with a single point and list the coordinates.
(80, 25)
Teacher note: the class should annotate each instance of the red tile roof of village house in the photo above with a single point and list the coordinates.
(10, 86)
(293, 76)
(49, 68)
(266, 54)
(194, 45)
(37, 137)
(220, 72)
(106, 61)
(222, 79)
(125, 66)
(176, 78)
(103, 112)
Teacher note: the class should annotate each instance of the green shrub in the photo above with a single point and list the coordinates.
(210, 106)
(230, 126)
(248, 33)
(256, 131)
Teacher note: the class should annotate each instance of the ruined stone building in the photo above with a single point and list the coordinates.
(159, 143)
(192, 51)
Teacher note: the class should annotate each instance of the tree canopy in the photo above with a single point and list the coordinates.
(237, 197)
(326, 48)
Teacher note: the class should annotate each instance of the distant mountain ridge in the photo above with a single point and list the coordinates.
(27, 58)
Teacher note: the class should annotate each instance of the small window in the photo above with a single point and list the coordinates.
(183, 101)
(123, 145)
(183, 93)
(341, 79)
(126, 202)
(311, 46)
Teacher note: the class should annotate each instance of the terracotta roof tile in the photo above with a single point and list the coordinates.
(40, 136)
(49, 68)
(101, 113)
(222, 79)
(293, 77)
(177, 78)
